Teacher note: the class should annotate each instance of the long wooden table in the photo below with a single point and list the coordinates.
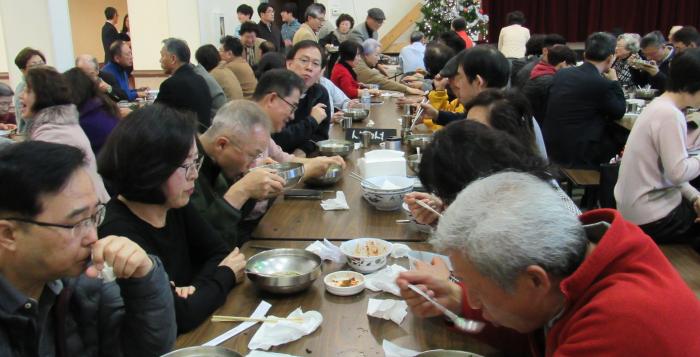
(306, 220)
(346, 330)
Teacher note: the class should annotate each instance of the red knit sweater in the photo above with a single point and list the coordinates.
(341, 77)
(625, 299)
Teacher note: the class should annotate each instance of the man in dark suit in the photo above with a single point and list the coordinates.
(584, 102)
(267, 28)
(109, 30)
(185, 89)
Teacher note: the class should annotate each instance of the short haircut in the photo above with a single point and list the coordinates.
(436, 57)
(230, 43)
(515, 17)
(144, 149)
(262, 8)
(553, 39)
(280, 81)
(84, 89)
(245, 10)
(25, 55)
(599, 46)
(89, 59)
(267, 46)
(370, 46)
(417, 36)
(270, 61)
(684, 75)
(249, 26)
(631, 41)
(314, 10)
(178, 48)
(238, 118)
(459, 24)
(469, 150)
(50, 87)
(344, 17)
(534, 45)
(302, 45)
(115, 49)
(208, 57)
(561, 53)
(687, 35)
(5, 90)
(110, 13)
(290, 8)
(453, 40)
(30, 170)
(652, 39)
(348, 50)
(487, 62)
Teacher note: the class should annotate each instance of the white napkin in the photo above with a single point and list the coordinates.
(399, 250)
(427, 257)
(370, 123)
(267, 354)
(385, 279)
(392, 350)
(337, 203)
(327, 251)
(389, 309)
(357, 146)
(278, 333)
(260, 311)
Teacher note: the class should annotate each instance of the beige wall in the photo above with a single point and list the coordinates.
(87, 18)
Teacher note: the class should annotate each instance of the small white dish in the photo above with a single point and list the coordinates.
(333, 281)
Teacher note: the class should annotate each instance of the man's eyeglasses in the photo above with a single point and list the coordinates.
(305, 61)
(193, 166)
(251, 157)
(78, 230)
(293, 107)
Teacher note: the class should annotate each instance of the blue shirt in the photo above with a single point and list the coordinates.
(412, 57)
(122, 79)
(288, 30)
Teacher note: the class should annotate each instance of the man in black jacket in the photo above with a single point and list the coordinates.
(311, 116)
(268, 30)
(520, 78)
(584, 102)
(185, 89)
(659, 54)
(105, 80)
(109, 30)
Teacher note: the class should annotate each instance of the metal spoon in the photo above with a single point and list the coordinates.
(466, 325)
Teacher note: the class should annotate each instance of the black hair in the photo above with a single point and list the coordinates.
(344, 17)
(49, 87)
(249, 26)
(436, 56)
(459, 24)
(684, 73)
(515, 17)
(469, 150)
(267, 46)
(31, 169)
(348, 50)
(553, 39)
(115, 49)
(302, 45)
(534, 45)
(264, 6)
(83, 89)
(510, 112)
(144, 149)
(208, 56)
(110, 12)
(599, 46)
(270, 61)
(561, 53)
(125, 29)
(654, 38)
(25, 55)
(230, 43)
(245, 10)
(280, 81)
(488, 63)
(290, 8)
(452, 39)
(178, 48)
(687, 35)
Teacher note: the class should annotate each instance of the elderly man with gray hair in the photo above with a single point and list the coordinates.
(105, 80)
(589, 286)
(185, 89)
(368, 74)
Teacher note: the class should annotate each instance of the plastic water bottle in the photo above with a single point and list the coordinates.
(366, 100)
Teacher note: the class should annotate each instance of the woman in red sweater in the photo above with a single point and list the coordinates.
(343, 75)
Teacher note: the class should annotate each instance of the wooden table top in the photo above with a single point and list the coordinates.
(305, 219)
(346, 330)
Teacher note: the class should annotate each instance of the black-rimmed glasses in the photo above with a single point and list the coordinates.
(78, 230)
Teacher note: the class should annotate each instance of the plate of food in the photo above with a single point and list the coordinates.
(344, 283)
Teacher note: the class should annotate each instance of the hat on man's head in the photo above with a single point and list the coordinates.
(376, 13)
(450, 69)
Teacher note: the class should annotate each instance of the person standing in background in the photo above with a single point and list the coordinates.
(459, 26)
(109, 30)
(512, 39)
(291, 24)
(314, 17)
(125, 35)
(267, 28)
(244, 13)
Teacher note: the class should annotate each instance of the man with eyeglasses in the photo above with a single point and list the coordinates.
(370, 27)
(312, 115)
(52, 301)
(315, 16)
(268, 30)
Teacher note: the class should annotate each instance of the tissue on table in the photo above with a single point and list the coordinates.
(280, 332)
(337, 203)
(393, 350)
(394, 310)
(385, 279)
(267, 354)
(399, 250)
(327, 251)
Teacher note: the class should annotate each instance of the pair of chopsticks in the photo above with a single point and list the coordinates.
(419, 112)
(222, 318)
(357, 177)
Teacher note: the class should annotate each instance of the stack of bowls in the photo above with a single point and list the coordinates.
(334, 147)
(386, 193)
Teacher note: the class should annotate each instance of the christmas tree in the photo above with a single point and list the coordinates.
(438, 15)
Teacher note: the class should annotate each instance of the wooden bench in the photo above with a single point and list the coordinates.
(589, 180)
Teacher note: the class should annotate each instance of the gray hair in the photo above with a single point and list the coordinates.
(370, 46)
(416, 36)
(238, 119)
(654, 38)
(85, 58)
(179, 48)
(315, 10)
(631, 41)
(508, 221)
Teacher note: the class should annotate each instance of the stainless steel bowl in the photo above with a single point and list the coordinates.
(283, 271)
(357, 114)
(646, 93)
(291, 172)
(419, 141)
(203, 351)
(447, 353)
(333, 175)
(414, 162)
(335, 147)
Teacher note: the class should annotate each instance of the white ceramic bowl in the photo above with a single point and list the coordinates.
(358, 255)
(332, 283)
(386, 193)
